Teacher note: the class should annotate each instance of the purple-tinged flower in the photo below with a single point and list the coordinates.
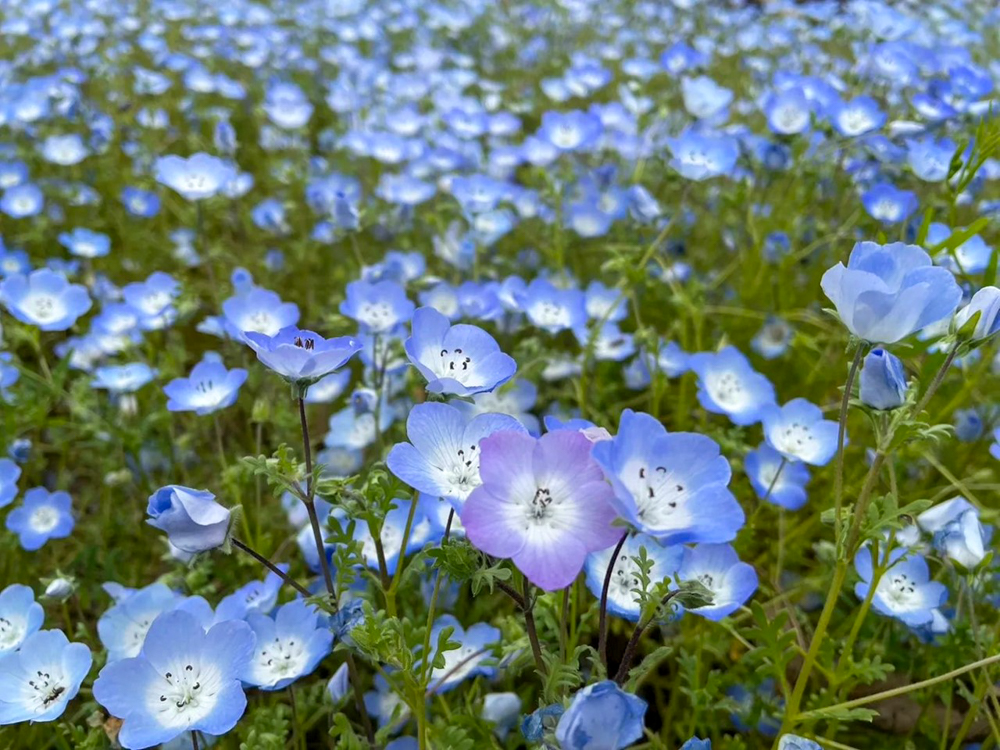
(42, 515)
(718, 568)
(442, 457)
(300, 356)
(798, 432)
(601, 716)
(44, 299)
(459, 360)
(184, 679)
(192, 519)
(672, 486)
(208, 388)
(543, 503)
(195, 178)
(728, 384)
(887, 292)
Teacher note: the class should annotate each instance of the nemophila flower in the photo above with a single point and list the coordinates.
(12, 173)
(787, 484)
(788, 112)
(601, 716)
(672, 486)
(703, 97)
(798, 432)
(794, 742)
(392, 535)
(153, 299)
(64, 150)
(888, 204)
(570, 131)
(287, 106)
(468, 660)
(259, 597)
(985, 302)
(9, 474)
(697, 744)
(22, 201)
(352, 429)
(20, 617)
(772, 339)
(882, 383)
(701, 156)
(339, 685)
(198, 177)
(42, 515)
(301, 356)
(625, 589)
(956, 530)
(905, 591)
(727, 384)
(208, 388)
(543, 503)
(516, 398)
(404, 190)
(192, 519)
(858, 116)
(887, 292)
(502, 710)
(378, 307)
(442, 457)
(118, 379)
(458, 360)
(718, 568)
(184, 679)
(42, 677)
(141, 203)
(535, 724)
(13, 261)
(971, 257)
(553, 309)
(968, 425)
(288, 646)
(260, 311)
(19, 450)
(929, 158)
(385, 705)
(44, 299)
(85, 243)
(328, 388)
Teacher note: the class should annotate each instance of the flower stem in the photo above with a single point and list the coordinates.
(838, 477)
(270, 566)
(390, 595)
(602, 625)
(194, 740)
(529, 625)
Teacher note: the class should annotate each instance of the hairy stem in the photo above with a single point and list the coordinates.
(602, 626)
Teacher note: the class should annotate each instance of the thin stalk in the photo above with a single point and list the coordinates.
(602, 626)
(270, 566)
(838, 477)
(877, 572)
(194, 740)
(529, 625)
(390, 596)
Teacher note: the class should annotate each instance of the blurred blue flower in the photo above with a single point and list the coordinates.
(44, 299)
(208, 388)
(601, 715)
(727, 384)
(20, 617)
(42, 515)
(198, 177)
(773, 477)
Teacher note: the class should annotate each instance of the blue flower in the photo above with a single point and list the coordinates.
(986, 302)
(42, 678)
(672, 486)
(459, 360)
(859, 116)
(22, 201)
(704, 98)
(44, 299)
(788, 112)
(208, 388)
(535, 724)
(258, 597)
(516, 398)
(260, 311)
(888, 204)
(339, 685)
(887, 292)
(968, 425)
(929, 158)
(9, 375)
(153, 299)
(378, 307)
(468, 660)
(957, 531)
(195, 178)
(623, 591)
(905, 591)
(42, 515)
(386, 705)
(118, 379)
(553, 309)
(64, 150)
(787, 484)
(727, 384)
(718, 568)
(701, 156)
(882, 380)
(393, 528)
(794, 742)
(122, 628)
(141, 203)
(772, 339)
(442, 457)
(192, 519)
(86, 243)
(184, 679)
(404, 189)
(798, 432)
(697, 744)
(601, 717)
(300, 356)
(289, 646)
(570, 131)
(501, 710)
(9, 474)
(20, 617)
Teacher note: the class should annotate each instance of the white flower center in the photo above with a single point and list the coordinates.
(726, 389)
(45, 687)
(898, 591)
(280, 659)
(44, 519)
(44, 307)
(454, 363)
(794, 438)
(11, 633)
(185, 694)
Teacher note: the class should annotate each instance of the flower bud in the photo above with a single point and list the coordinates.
(986, 302)
(59, 589)
(883, 381)
(194, 522)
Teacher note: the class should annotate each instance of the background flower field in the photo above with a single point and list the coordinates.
(498, 375)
